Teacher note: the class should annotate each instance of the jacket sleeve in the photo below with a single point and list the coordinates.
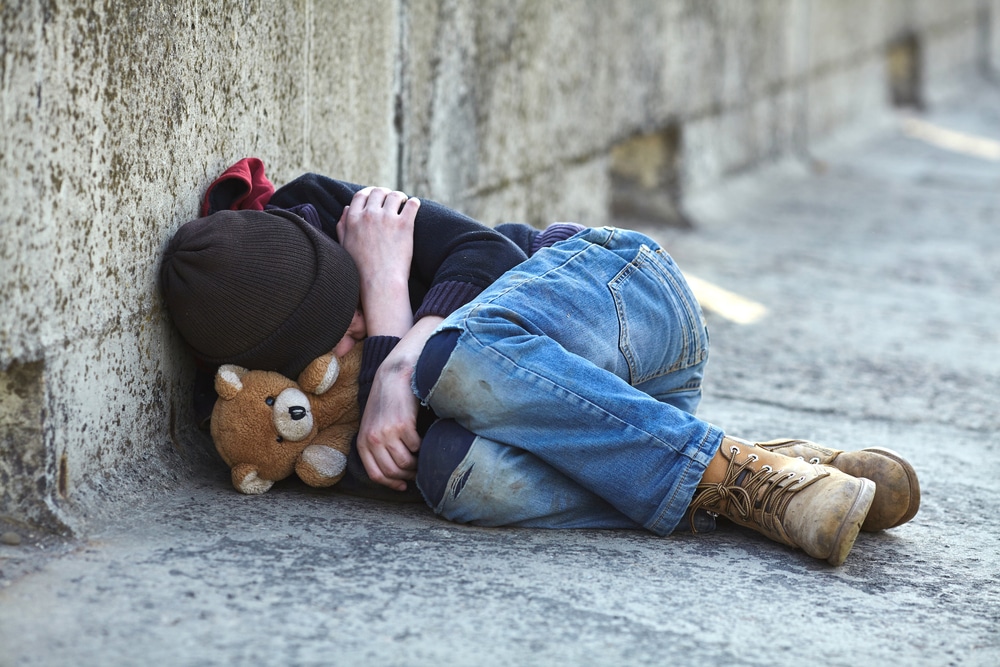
(454, 256)
(377, 348)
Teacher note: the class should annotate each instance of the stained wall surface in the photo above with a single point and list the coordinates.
(115, 116)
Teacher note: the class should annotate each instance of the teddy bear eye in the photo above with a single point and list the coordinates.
(269, 400)
(279, 439)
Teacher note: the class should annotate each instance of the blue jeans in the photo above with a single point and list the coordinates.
(578, 372)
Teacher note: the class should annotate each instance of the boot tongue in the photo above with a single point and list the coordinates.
(742, 477)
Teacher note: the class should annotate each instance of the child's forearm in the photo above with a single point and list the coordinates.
(403, 357)
(385, 303)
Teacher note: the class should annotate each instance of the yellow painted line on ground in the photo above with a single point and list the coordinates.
(724, 303)
(951, 140)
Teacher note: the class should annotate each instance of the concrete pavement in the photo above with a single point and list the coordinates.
(853, 299)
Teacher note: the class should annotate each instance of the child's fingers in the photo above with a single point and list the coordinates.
(377, 197)
(411, 207)
(342, 225)
(375, 472)
(360, 197)
(395, 200)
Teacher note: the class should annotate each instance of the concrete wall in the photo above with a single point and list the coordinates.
(511, 107)
(989, 23)
(117, 115)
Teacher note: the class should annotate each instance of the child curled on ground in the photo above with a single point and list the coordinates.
(515, 376)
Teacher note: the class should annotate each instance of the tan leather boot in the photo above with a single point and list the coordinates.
(897, 491)
(814, 508)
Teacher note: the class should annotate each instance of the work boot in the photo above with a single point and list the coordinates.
(897, 491)
(814, 508)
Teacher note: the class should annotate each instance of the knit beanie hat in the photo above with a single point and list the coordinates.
(261, 289)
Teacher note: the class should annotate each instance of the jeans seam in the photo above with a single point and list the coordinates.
(694, 348)
(653, 525)
(527, 280)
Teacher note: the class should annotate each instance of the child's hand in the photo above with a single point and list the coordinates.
(388, 440)
(377, 231)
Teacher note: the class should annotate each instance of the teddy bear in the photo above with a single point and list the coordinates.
(265, 426)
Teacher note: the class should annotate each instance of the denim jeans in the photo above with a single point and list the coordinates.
(578, 372)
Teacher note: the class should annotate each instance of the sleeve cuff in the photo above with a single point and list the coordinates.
(377, 348)
(557, 231)
(446, 297)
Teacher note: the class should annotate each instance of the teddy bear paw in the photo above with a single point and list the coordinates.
(246, 480)
(320, 465)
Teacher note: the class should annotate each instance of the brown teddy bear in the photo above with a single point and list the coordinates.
(266, 426)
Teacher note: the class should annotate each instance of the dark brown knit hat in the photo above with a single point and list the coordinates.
(261, 289)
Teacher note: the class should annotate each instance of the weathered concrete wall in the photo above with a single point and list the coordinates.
(990, 31)
(512, 106)
(116, 115)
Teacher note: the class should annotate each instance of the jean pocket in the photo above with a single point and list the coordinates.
(661, 328)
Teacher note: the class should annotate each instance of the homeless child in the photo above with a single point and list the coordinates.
(517, 377)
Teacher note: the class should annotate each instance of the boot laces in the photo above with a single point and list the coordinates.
(747, 495)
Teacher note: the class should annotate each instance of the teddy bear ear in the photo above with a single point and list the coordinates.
(229, 380)
(320, 375)
(245, 480)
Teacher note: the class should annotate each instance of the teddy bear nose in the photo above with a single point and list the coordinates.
(297, 412)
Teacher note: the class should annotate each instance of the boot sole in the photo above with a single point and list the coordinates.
(851, 525)
(911, 478)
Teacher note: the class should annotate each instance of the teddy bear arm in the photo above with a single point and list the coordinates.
(337, 436)
(327, 371)
(319, 465)
(324, 461)
(321, 374)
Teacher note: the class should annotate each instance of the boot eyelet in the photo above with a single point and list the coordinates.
(733, 449)
(814, 460)
(766, 468)
(753, 458)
